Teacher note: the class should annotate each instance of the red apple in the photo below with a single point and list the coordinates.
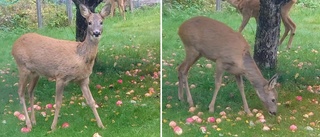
(65, 125)
(49, 106)
(299, 98)
(120, 81)
(98, 87)
(25, 130)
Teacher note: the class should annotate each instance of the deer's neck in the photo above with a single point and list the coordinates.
(88, 49)
(252, 72)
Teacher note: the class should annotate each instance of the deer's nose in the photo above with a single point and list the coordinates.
(96, 33)
(273, 113)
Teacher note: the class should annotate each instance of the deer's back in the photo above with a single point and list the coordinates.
(47, 56)
(212, 38)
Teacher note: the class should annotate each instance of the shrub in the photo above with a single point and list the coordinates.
(309, 3)
(23, 14)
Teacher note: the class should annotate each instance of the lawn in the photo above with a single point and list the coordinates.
(298, 89)
(127, 69)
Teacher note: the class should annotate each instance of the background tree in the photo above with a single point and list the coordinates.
(268, 32)
(81, 25)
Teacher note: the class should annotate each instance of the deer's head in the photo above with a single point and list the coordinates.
(94, 20)
(269, 95)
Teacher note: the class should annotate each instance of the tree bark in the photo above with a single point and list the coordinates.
(268, 32)
(81, 24)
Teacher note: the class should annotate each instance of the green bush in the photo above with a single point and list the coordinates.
(23, 14)
(309, 3)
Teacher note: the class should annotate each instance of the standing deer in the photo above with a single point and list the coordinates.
(121, 6)
(62, 60)
(251, 8)
(215, 41)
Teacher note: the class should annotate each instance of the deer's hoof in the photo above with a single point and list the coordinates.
(191, 105)
(101, 126)
(34, 122)
(211, 110)
(29, 126)
(53, 128)
(250, 114)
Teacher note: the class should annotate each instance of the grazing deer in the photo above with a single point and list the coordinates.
(121, 6)
(215, 41)
(62, 60)
(251, 8)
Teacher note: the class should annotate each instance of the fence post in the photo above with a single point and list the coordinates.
(39, 15)
(69, 11)
(218, 5)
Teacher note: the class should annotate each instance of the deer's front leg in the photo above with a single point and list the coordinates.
(23, 78)
(218, 80)
(90, 101)
(241, 88)
(60, 84)
(245, 20)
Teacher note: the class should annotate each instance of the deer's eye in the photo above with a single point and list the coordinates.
(273, 100)
(101, 23)
(89, 23)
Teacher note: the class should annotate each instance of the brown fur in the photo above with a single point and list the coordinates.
(251, 8)
(204, 37)
(62, 60)
(121, 6)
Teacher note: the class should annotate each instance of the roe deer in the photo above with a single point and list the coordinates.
(251, 8)
(121, 6)
(62, 60)
(215, 41)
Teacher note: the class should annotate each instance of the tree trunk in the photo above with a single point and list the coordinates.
(81, 24)
(268, 32)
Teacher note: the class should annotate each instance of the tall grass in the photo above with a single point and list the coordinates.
(298, 69)
(129, 50)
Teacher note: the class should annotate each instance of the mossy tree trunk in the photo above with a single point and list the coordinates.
(81, 24)
(268, 32)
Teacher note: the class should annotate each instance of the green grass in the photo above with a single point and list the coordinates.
(293, 81)
(126, 46)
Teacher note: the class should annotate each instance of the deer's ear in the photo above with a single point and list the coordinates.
(85, 12)
(273, 81)
(105, 10)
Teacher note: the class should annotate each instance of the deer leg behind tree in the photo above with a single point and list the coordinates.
(289, 25)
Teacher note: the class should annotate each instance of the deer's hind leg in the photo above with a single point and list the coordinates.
(292, 32)
(289, 25)
(121, 5)
(113, 5)
(33, 82)
(192, 55)
(23, 80)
